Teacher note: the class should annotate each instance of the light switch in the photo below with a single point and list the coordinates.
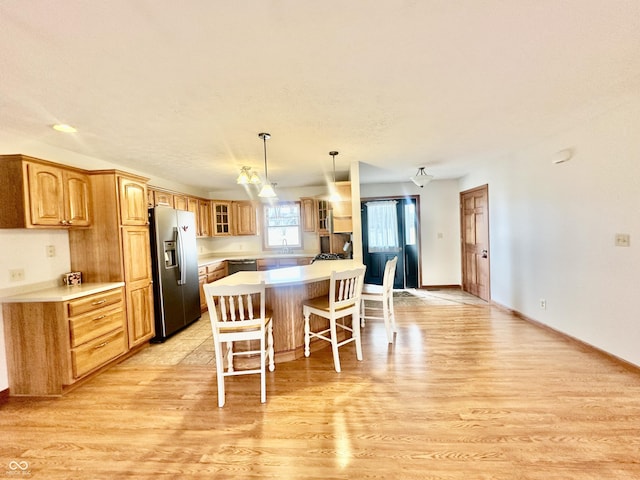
(623, 240)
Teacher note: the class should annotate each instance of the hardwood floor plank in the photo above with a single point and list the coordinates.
(468, 391)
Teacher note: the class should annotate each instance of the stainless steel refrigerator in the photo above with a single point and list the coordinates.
(175, 270)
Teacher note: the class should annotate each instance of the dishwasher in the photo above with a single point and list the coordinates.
(234, 266)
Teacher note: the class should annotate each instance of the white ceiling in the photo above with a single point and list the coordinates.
(182, 89)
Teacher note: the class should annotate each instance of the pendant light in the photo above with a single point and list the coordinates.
(421, 178)
(334, 195)
(247, 177)
(267, 189)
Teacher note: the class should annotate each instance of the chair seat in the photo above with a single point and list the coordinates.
(369, 289)
(231, 327)
(322, 303)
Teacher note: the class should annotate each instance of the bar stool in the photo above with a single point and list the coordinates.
(343, 300)
(234, 317)
(382, 294)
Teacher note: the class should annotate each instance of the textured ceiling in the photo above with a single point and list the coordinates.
(182, 89)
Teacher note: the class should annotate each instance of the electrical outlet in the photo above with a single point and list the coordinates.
(543, 304)
(16, 275)
(623, 240)
(51, 250)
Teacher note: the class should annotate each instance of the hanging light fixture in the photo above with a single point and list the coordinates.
(267, 189)
(334, 196)
(247, 177)
(421, 178)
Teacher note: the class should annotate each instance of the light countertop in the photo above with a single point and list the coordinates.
(214, 257)
(317, 271)
(61, 293)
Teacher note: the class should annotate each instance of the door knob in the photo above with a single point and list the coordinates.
(485, 253)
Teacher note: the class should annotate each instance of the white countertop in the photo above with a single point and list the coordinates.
(209, 257)
(317, 271)
(61, 293)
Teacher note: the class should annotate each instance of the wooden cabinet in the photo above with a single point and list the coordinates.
(133, 201)
(207, 274)
(40, 194)
(204, 218)
(244, 218)
(322, 217)
(52, 345)
(309, 214)
(116, 248)
(221, 218)
(342, 209)
(180, 202)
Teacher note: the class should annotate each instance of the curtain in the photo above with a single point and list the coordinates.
(382, 226)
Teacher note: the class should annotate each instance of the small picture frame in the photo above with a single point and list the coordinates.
(72, 278)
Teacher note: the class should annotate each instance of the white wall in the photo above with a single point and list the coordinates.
(439, 226)
(552, 229)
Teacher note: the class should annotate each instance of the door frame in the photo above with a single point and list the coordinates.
(483, 189)
(418, 228)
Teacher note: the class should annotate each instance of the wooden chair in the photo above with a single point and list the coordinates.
(238, 313)
(382, 294)
(343, 300)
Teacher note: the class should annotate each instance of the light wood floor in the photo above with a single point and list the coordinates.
(467, 392)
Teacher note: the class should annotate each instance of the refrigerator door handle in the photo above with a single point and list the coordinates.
(181, 260)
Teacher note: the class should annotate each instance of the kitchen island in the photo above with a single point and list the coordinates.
(286, 291)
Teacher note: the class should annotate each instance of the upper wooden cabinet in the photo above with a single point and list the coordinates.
(309, 214)
(133, 201)
(244, 218)
(204, 218)
(40, 194)
(221, 218)
(342, 222)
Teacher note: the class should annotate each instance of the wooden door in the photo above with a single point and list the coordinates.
(221, 218)
(244, 218)
(204, 218)
(474, 205)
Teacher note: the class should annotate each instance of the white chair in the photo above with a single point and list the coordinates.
(343, 300)
(238, 313)
(382, 294)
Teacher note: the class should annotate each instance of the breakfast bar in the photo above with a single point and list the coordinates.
(286, 291)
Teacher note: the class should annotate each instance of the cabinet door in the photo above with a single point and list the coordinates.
(77, 200)
(140, 324)
(322, 218)
(162, 198)
(133, 202)
(244, 218)
(180, 202)
(204, 218)
(46, 198)
(137, 268)
(221, 218)
(309, 214)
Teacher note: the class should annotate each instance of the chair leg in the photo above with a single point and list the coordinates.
(392, 313)
(362, 312)
(334, 343)
(272, 365)
(355, 323)
(220, 374)
(263, 374)
(387, 319)
(230, 356)
(307, 313)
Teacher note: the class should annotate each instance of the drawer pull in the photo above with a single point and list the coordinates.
(103, 344)
(99, 318)
(99, 302)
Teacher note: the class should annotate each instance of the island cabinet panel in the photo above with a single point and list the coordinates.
(41, 194)
(53, 345)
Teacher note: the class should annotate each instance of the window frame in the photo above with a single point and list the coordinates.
(266, 227)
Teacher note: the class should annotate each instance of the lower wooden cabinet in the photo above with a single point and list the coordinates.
(210, 273)
(52, 345)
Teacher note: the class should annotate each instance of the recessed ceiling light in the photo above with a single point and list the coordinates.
(63, 127)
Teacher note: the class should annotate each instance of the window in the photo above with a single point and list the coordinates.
(382, 224)
(282, 225)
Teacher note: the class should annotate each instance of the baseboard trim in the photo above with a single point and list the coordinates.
(440, 287)
(4, 395)
(627, 365)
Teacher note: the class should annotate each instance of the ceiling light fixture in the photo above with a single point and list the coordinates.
(334, 196)
(64, 128)
(267, 189)
(247, 177)
(421, 178)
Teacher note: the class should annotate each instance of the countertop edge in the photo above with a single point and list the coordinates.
(61, 293)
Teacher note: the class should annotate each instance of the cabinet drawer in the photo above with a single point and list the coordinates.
(97, 352)
(94, 324)
(202, 270)
(94, 302)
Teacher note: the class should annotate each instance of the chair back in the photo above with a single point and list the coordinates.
(345, 288)
(236, 309)
(389, 275)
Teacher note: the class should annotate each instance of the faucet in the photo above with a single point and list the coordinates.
(285, 247)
